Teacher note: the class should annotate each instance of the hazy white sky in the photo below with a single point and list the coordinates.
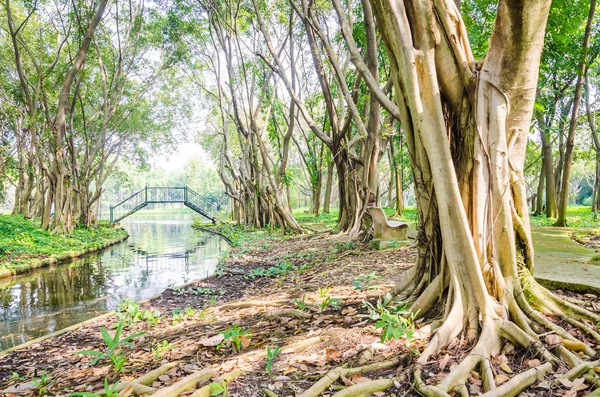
(175, 161)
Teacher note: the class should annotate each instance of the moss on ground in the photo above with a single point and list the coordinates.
(22, 240)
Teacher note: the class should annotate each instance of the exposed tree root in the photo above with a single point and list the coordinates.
(243, 305)
(520, 382)
(186, 383)
(223, 380)
(146, 379)
(288, 313)
(335, 374)
(365, 388)
(270, 393)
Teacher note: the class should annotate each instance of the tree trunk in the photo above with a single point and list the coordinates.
(60, 180)
(466, 127)
(548, 167)
(539, 199)
(328, 186)
(566, 175)
(595, 143)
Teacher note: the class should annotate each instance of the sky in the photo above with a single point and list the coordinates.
(184, 152)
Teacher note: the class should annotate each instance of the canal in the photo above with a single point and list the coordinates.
(163, 251)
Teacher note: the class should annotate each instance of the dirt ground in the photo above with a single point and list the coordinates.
(310, 304)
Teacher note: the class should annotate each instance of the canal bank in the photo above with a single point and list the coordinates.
(163, 251)
(24, 246)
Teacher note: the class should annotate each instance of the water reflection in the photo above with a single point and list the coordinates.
(159, 253)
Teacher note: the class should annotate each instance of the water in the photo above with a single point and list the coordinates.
(162, 251)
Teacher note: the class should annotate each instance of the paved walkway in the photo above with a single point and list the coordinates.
(562, 263)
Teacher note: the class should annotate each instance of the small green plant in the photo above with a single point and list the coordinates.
(235, 334)
(323, 291)
(114, 347)
(329, 301)
(151, 317)
(300, 304)
(16, 376)
(189, 312)
(281, 268)
(161, 348)
(271, 354)
(212, 302)
(129, 311)
(41, 383)
(364, 282)
(395, 322)
(109, 391)
(177, 316)
(218, 388)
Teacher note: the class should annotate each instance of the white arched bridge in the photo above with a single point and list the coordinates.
(155, 195)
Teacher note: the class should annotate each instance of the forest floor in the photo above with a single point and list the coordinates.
(302, 294)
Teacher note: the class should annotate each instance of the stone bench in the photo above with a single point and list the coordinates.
(387, 232)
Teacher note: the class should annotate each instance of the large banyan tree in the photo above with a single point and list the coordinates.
(466, 123)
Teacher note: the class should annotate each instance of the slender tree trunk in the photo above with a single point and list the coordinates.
(328, 187)
(539, 199)
(595, 143)
(566, 175)
(548, 167)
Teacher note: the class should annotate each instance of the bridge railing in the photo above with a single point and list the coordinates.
(160, 194)
(201, 202)
(131, 203)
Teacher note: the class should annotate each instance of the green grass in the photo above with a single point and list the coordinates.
(22, 240)
(330, 220)
(577, 216)
(240, 235)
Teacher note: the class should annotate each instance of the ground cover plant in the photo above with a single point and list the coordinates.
(22, 239)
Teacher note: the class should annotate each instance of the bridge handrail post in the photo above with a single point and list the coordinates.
(185, 194)
(146, 194)
(111, 214)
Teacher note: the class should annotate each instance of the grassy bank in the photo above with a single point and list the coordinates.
(238, 235)
(23, 244)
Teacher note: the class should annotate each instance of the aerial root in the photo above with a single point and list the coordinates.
(332, 376)
(520, 382)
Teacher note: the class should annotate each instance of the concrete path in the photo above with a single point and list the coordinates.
(561, 263)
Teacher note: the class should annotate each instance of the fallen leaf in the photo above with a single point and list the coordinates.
(212, 341)
(245, 341)
(360, 379)
(500, 379)
(444, 361)
(533, 363)
(331, 353)
(506, 368)
(552, 339)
